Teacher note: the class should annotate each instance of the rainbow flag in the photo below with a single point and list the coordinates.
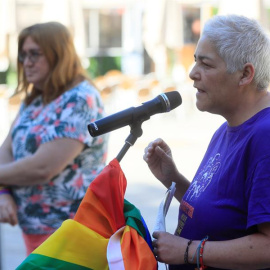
(107, 232)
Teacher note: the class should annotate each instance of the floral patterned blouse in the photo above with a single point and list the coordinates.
(43, 208)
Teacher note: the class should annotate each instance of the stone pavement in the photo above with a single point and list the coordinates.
(184, 129)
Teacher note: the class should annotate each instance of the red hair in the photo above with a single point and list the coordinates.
(66, 69)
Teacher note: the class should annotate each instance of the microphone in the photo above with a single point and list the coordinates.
(162, 103)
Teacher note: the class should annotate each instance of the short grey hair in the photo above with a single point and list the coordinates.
(240, 40)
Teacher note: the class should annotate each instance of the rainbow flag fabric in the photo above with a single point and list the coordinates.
(107, 232)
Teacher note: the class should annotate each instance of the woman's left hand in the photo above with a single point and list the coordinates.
(169, 248)
(8, 210)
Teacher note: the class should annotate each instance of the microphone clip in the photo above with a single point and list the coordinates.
(135, 132)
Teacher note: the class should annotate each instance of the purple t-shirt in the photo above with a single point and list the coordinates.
(230, 193)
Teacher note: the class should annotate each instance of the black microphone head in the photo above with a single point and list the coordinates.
(172, 100)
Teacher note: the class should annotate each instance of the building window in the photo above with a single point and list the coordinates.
(103, 31)
(110, 34)
(191, 23)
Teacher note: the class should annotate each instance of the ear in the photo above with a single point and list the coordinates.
(247, 74)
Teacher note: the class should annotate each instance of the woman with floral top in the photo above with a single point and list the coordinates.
(49, 159)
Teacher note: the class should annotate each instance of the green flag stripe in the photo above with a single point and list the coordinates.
(41, 262)
(133, 218)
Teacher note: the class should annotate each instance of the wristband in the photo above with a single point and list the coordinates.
(4, 191)
(186, 252)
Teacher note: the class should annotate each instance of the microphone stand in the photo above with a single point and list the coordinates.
(135, 133)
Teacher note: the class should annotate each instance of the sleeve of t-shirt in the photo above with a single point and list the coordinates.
(259, 199)
(71, 117)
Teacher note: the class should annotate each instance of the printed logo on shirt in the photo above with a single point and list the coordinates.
(181, 224)
(204, 178)
(187, 208)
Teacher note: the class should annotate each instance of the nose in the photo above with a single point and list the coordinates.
(27, 61)
(194, 73)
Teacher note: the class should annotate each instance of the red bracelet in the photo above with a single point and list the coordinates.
(201, 254)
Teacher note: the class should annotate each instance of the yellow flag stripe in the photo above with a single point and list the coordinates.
(77, 244)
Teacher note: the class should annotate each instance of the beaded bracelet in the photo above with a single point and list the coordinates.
(186, 252)
(200, 254)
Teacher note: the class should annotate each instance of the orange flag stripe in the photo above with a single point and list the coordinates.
(136, 252)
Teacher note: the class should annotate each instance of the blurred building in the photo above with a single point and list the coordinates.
(134, 36)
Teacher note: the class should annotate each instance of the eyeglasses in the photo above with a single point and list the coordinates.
(33, 56)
